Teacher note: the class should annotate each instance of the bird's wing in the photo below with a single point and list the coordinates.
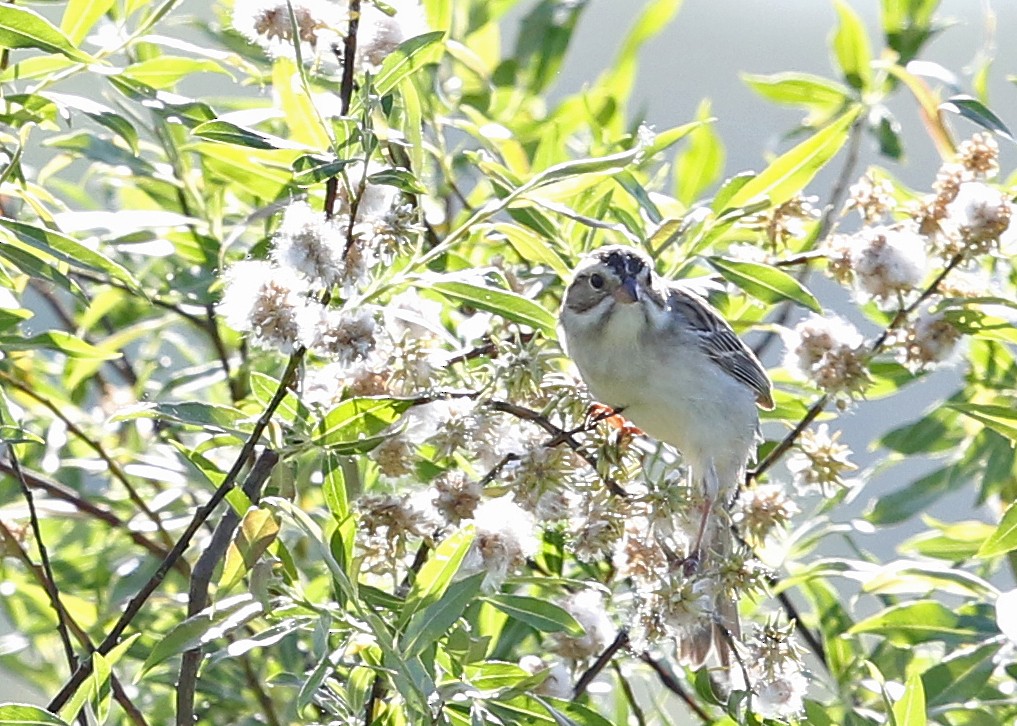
(719, 342)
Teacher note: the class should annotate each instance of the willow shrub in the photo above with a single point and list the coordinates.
(288, 435)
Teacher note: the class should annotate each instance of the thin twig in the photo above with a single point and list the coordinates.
(203, 513)
(13, 544)
(66, 494)
(377, 690)
(814, 643)
(201, 578)
(838, 192)
(49, 581)
(115, 469)
(671, 683)
(620, 641)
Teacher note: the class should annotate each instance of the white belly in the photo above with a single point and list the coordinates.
(674, 393)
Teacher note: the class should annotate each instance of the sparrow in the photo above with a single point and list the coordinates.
(660, 355)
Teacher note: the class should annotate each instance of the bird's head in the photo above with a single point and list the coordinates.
(607, 279)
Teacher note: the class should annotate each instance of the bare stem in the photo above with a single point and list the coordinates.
(114, 467)
(201, 577)
(671, 683)
(48, 581)
(620, 641)
(203, 513)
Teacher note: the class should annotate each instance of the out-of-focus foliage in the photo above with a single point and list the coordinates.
(233, 268)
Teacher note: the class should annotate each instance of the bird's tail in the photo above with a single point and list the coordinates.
(719, 628)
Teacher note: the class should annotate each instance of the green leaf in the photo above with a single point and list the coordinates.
(334, 488)
(766, 283)
(409, 57)
(191, 413)
(99, 113)
(509, 305)
(401, 179)
(66, 249)
(851, 47)
(167, 70)
(23, 28)
(928, 620)
(702, 163)
(959, 678)
(437, 572)
(213, 622)
(977, 112)
(910, 708)
(302, 117)
(918, 495)
(537, 613)
(431, 623)
(229, 133)
(1004, 539)
(313, 169)
(265, 173)
(80, 16)
(801, 90)
(533, 248)
(16, 435)
(257, 531)
(792, 171)
(1001, 419)
(354, 425)
(22, 714)
(70, 345)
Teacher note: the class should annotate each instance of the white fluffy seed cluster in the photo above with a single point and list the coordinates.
(830, 352)
(889, 261)
(777, 677)
(322, 24)
(276, 300)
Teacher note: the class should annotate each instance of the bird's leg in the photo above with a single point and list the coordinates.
(711, 489)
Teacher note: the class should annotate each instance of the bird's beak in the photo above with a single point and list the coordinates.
(628, 292)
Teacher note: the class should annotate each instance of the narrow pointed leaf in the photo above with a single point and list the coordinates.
(766, 283)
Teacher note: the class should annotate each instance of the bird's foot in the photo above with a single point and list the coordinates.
(690, 565)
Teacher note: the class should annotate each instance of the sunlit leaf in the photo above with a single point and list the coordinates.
(24, 28)
(354, 425)
(959, 677)
(57, 340)
(920, 621)
(437, 572)
(702, 162)
(20, 714)
(1001, 419)
(1004, 539)
(769, 284)
(509, 305)
(167, 70)
(213, 622)
(909, 710)
(538, 613)
(229, 133)
(256, 532)
(789, 173)
(431, 623)
(851, 47)
(66, 249)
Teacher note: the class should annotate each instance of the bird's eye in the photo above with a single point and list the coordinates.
(596, 281)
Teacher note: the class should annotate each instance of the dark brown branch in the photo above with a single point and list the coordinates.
(116, 471)
(11, 541)
(48, 580)
(620, 641)
(671, 683)
(66, 494)
(201, 578)
(203, 513)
